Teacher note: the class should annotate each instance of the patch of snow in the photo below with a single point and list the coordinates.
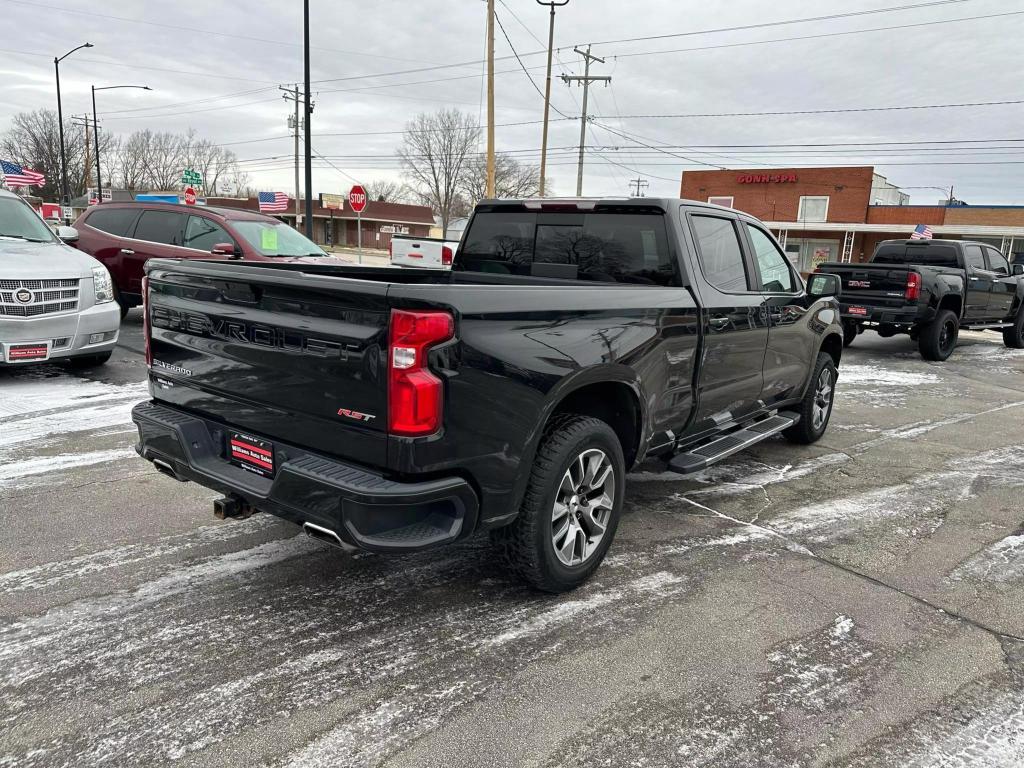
(853, 374)
(12, 471)
(1000, 562)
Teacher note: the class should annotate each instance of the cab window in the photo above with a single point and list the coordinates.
(974, 258)
(997, 262)
(720, 254)
(160, 227)
(776, 276)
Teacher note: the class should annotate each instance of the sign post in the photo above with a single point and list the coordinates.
(332, 203)
(357, 199)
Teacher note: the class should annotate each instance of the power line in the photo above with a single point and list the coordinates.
(902, 107)
(523, 66)
(782, 23)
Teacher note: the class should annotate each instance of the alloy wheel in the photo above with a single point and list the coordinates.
(822, 399)
(583, 506)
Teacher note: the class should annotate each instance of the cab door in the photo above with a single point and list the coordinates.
(1004, 287)
(158, 234)
(979, 285)
(787, 360)
(735, 328)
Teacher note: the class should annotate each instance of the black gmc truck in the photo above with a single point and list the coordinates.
(931, 289)
(393, 410)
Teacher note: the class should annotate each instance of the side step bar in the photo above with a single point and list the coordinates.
(703, 456)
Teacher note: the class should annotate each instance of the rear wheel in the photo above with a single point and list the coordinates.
(937, 340)
(571, 507)
(816, 407)
(850, 332)
(121, 303)
(89, 361)
(1013, 337)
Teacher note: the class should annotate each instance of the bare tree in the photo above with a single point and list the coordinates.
(434, 153)
(511, 178)
(33, 140)
(387, 191)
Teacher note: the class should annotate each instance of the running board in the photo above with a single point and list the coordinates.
(985, 326)
(705, 455)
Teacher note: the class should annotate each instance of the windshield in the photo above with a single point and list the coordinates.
(18, 220)
(276, 239)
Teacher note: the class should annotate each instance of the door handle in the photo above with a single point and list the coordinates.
(127, 251)
(719, 323)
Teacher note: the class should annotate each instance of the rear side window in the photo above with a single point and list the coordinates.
(935, 255)
(603, 247)
(202, 233)
(721, 258)
(160, 227)
(974, 257)
(114, 221)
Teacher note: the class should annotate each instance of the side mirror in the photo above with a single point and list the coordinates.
(68, 234)
(1018, 269)
(225, 249)
(820, 286)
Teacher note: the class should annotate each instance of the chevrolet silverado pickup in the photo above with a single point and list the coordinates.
(394, 410)
(931, 289)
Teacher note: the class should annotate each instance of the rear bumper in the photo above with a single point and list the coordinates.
(363, 508)
(886, 315)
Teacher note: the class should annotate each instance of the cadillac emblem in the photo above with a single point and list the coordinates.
(23, 296)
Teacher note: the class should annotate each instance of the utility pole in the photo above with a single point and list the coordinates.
(84, 122)
(586, 79)
(308, 113)
(490, 98)
(547, 91)
(295, 123)
(640, 185)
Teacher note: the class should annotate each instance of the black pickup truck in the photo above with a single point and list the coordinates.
(393, 410)
(931, 289)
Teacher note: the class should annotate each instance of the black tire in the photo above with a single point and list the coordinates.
(1014, 337)
(527, 545)
(850, 331)
(937, 340)
(120, 303)
(89, 361)
(814, 415)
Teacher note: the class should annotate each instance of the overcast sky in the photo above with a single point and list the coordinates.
(218, 72)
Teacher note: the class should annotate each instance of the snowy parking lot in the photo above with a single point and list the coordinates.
(854, 603)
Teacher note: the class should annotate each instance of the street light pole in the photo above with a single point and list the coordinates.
(547, 91)
(96, 133)
(308, 112)
(65, 192)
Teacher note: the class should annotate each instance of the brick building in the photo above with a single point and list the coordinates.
(841, 213)
(333, 227)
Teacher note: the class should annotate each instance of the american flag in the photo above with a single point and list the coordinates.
(273, 202)
(922, 232)
(16, 176)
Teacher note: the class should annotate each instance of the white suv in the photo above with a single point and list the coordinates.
(55, 301)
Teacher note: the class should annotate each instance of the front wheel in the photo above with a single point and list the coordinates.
(89, 361)
(937, 340)
(1013, 337)
(571, 507)
(816, 407)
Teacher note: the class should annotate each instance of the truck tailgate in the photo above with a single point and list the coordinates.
(871, 285)
(263, 352)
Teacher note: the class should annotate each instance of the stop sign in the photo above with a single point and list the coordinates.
(357, 198)
(190, 196)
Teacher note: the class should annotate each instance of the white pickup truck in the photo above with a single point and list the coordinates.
(422, 252)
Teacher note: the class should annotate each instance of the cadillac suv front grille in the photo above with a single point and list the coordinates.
(31, 298)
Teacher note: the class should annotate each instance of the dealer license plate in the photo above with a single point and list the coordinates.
(252, 454)
(17, 353)
(858, 311)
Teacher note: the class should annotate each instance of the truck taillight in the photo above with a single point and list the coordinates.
(415, 394)
(145, 323)
(913, 292)
(446, 256)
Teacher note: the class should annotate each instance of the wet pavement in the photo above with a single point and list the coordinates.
(853, 603)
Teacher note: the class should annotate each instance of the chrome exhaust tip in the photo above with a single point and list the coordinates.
(326, 535)
(165, 468)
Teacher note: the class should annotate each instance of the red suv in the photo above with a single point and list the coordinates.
(125, 235)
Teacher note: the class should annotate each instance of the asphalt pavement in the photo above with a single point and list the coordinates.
(853, 603)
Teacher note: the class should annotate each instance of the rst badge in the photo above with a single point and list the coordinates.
(348, 413)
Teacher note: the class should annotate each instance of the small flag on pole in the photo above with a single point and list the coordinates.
(17, 176)
(922, 232)
(273, 202)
